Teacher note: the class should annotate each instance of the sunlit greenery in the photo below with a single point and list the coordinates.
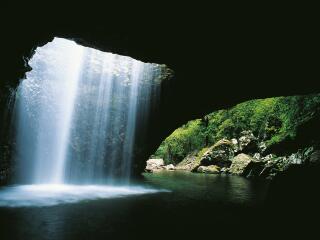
(271, 120)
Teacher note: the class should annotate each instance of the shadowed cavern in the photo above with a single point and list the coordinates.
(220, 57)
(219, 60)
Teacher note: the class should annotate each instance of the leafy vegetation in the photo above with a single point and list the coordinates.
(272, 120)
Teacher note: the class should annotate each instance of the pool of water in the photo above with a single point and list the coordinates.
(165, 204)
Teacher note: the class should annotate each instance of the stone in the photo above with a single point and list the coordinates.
(220, 154)
(240, 164)
(235, 144)
(273, 165)
(262, 146)
(248, 142)
(257, 156)
(212, 169)
(276, 165)
(154, 164)
(169, 167)
(189, 162)
(295, 158)
(314, 158)
(224, 170)
(268, 157)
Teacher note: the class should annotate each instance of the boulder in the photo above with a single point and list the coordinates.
(275, 165)
(189, 162)
(314, 158)
(271, 165)
(242, 164)
(257, 156)
(295, 158)
(212, 169)
(262, 147)
(220, 154)
(224, 170)
(154, 164)
(235, 144)
(268, 157)
(169, 167)
(248, 143)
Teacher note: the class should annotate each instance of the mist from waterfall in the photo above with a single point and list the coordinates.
(79, 113)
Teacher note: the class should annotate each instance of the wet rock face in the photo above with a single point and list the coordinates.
(4, 175)
(6, 170)
(219, 154)
(274, 165)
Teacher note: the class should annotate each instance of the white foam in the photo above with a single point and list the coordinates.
(41, 195)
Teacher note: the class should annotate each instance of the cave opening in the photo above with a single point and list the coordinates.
(91, 156)
(79, 117)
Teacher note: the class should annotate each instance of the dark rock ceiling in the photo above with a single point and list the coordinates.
(221, 55)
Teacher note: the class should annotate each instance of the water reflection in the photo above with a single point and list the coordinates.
(211, 187)
(195, 201)
(41, 195)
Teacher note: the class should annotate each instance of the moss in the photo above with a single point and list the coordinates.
(197, 160)
(200, 154)
(273, 120)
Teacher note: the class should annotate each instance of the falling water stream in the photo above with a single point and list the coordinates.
(78, 113)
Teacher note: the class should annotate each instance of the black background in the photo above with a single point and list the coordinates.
(221, 53)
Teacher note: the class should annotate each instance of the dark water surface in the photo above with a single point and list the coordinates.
(197, 205)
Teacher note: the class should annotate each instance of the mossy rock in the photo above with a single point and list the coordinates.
(220, 154)
(240, 163)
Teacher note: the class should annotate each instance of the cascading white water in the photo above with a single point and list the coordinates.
(78, 111)
(78, 115)
(46, 100)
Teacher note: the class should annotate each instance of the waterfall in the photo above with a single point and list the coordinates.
(79, 113)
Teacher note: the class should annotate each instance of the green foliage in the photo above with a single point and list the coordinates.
(271, 120)
(182, 141)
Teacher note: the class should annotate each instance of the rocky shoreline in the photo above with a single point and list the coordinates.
(245, 156)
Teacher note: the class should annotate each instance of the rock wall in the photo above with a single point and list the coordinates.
(248, 157)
